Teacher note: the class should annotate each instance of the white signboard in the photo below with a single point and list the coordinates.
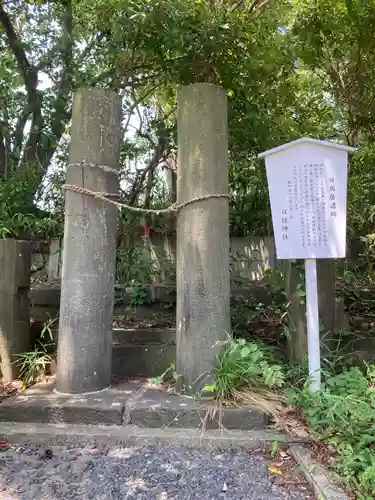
(307, 182)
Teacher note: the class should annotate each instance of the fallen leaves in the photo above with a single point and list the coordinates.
(273, 469)
(4, 445)
(289, 420)
(9, 389)
(163, 319)
(284, 472)
(285, 417)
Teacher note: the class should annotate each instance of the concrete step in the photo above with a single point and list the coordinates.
(142, 352)
(112, 435)
(133, 403)
(137, 352)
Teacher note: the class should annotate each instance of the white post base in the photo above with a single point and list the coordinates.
(313, 334)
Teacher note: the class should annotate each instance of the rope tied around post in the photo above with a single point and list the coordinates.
(108, 197)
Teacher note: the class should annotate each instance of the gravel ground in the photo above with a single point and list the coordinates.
(146, 472)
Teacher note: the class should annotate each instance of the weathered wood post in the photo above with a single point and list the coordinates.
(15, 260)
(326, 272)
(88, 269)
(297, 339)
(330, 315)
(203, 287)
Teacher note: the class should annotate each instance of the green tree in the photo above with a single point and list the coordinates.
(333, 39)
(146, 50)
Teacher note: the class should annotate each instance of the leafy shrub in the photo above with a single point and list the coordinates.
(133, 265)
(19, 216)
(139, 295)
(244, 365)
(343, 414)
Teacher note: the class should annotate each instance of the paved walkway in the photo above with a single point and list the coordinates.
(168, 472)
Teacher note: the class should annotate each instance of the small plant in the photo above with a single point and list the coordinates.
(297, 373)
(132, 265)
(275, 446)
(47, 329)
(342, 414)
(33, 365)
(244, 365)
(169, 374)
(139, 295)
(4, 232)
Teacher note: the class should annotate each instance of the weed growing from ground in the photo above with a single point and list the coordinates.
(33, 365)
(243, 364)
(342, 414)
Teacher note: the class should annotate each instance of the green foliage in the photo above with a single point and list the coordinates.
(139, 295)
(137, 269)
(290, 69)
(36, 363)
(331, 41)
(46, 335)
(33, 365)
(361, 197)
(249, 205)
(246, 365)
(18, 215)
(343, 415)
(332, 38)
(4, 232)
(169, 374)
(133, 265)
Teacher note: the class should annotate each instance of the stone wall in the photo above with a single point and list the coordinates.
(250, 256)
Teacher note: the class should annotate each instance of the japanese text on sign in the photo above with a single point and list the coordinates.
(308, 202)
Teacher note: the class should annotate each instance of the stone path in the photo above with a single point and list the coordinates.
(167, 472)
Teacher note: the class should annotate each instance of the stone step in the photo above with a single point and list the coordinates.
(50, 435)
(45, 297)
(147, 352)
(144, 335)
(144, 352)
(133, 403)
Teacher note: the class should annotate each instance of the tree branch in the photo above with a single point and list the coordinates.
(28, 72)
(30, 77)
(61, 113)
(137, 102)
(64, 86)
(3, 158)
(152, 164)
(18, 134)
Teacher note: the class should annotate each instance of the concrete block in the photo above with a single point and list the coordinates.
(15, 261)
(148, 360)
(49, 435)
(155, 409)
(135, 403)
(42, 403)
(148, 352)
(316, 475)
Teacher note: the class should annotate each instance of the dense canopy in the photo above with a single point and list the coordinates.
(290, 69)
